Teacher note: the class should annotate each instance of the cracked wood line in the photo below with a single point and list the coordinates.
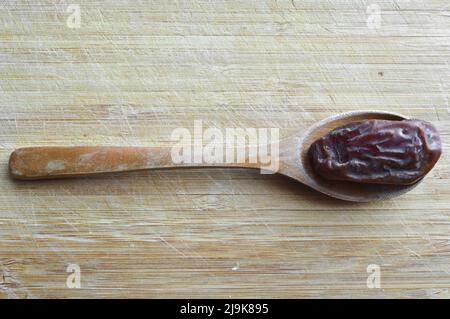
(132, 73)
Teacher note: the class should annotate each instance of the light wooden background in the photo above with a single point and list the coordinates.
(135, 70)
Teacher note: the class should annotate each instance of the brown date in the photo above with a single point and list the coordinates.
(377, 151)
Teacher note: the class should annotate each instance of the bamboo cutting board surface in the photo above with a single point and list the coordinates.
(132, 71)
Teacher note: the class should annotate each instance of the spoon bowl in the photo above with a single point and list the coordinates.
(301, 168)
(293, 161)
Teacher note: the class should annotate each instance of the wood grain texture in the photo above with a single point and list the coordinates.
(136, 70)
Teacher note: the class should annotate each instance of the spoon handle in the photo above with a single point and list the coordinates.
(56, 162)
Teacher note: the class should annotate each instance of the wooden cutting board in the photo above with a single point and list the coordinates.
(130, 72)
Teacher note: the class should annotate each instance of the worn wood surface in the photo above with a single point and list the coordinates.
(135, 70)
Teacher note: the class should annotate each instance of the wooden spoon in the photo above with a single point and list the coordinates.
(55, 162)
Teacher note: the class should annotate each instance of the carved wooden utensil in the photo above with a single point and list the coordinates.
(56, 162)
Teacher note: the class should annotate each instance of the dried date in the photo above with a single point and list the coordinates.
(377, 151)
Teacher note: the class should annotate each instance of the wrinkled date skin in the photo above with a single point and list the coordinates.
(377, 151)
